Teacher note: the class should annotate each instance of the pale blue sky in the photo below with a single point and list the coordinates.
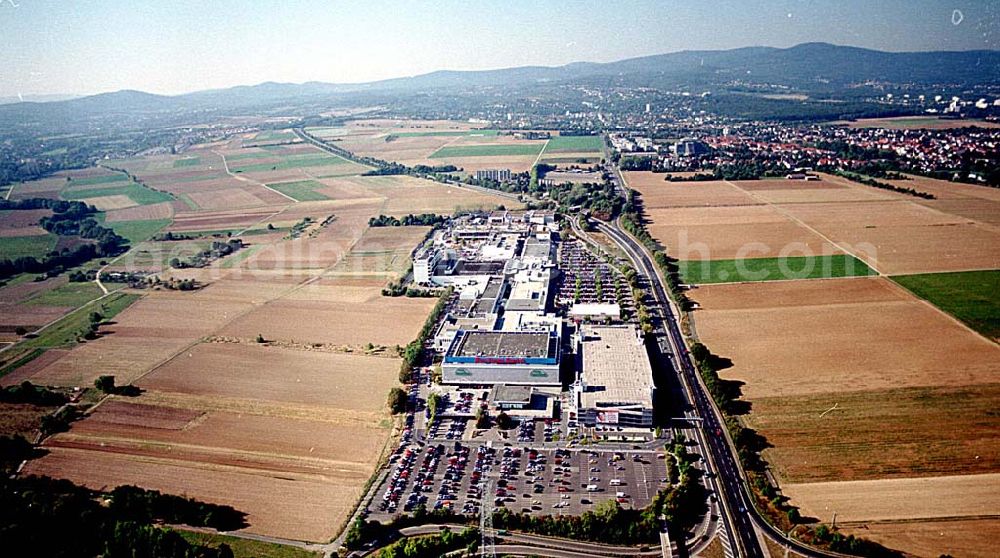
(175, 46)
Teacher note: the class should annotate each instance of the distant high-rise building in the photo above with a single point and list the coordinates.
(498, 175)
(688, 147)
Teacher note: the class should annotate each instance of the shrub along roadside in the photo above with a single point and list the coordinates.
(415, 349)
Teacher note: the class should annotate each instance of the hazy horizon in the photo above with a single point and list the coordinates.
(54, 48)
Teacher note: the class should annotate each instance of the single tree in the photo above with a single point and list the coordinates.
(397, 400)
(105, 383)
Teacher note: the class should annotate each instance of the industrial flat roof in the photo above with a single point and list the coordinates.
(466, 267)
(534, 248)
(503, 393)
(616, 368)
(504, 344)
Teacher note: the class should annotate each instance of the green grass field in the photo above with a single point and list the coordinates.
(568, 144)
(971, 296)
(499, 150)
(445, 133)
(136, 192)
(771, 269)
(247, 548)
(292, 162)
(158, 254)
(95, 180)
(137, 231)
(248, 155)
(303, 190)
(70, 294)
(187, 162)
(12, 247)
(274, 135)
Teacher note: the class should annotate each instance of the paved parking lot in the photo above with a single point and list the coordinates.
(526, 479)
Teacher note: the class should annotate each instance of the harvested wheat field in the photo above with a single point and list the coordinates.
(900, 236)
(334, 321)
(657, 192)
(325, 445)
(162, 210)
(289, 505)
(933, 538)
(879, 434)
(714, 233)
(828, 189)
(216, 220)
(900, 499)
(147, 333)
(250, 371)
(405, 194)
(789, 338)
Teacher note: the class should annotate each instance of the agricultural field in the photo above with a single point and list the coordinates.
(919, 122)
(36, 245)
(771, 269)
(413, 142)
(382, 253)
(843, 383)
(288, 430)
(971, 296)
(955, 537)
(770, 331)
(874, 434)
(116, 196)
(573, 150)
(972, 496)
(892, 233)
(455, 152)
(574, 144)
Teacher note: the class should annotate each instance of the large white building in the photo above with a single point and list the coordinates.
(502, 357)
(615, 387)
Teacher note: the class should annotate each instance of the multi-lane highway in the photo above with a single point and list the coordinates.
(740, 518)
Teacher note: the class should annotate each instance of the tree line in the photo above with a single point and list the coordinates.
(423, 219)
(67, 219)
(48, 517)
(415, 349)
(868, 181)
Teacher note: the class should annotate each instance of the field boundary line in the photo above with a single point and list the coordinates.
(9, 191)
(697, 285)
(922, 300)
(124, 445)
(539, 157)
(225, 165)
(802, 224)
(199, 465)
(53, 322)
